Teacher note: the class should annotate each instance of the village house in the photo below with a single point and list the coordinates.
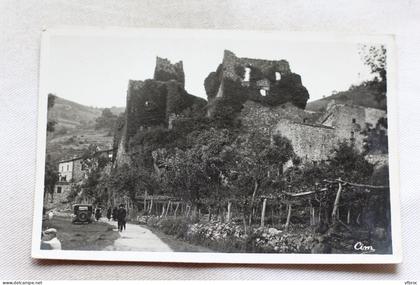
(70, 172)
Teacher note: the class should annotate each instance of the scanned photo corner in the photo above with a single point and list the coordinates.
(217, 147)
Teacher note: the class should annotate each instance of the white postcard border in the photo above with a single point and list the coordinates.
(237, 258)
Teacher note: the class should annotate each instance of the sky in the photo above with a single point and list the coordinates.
(94, 70)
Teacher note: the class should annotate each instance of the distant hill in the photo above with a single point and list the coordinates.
(357, 95)
(75, 129)
(71, 115)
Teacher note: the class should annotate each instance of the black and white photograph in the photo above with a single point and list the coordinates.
(217, 147)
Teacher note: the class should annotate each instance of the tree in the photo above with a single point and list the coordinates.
(93, 163)
(51, 123)
(350, 165)
(51, 175)
(132, 181)
(375, 58)
(196, 174)
(106, 121)
(256, 161)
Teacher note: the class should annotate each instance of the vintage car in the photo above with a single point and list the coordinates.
(82, 213)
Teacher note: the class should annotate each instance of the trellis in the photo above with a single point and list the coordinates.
(299, 198)
(167, 206)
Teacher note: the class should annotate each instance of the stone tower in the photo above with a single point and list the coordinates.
(155, 102)
(165, 71)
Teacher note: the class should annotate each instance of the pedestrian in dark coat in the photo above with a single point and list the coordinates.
(122, 213)
(98, 214)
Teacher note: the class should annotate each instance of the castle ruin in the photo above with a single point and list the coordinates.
(270, 82)
(155, 102)
(266, 96)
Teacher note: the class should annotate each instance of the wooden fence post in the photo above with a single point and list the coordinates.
(145, 201)
(210, 213)
(263, 212)
(168, 208)
(163, 209)
(228, 217)
(176, 209)
(336, 203)
(311, 215)
(348, 215)
(289, 213)
(280, 212)
(151, 206)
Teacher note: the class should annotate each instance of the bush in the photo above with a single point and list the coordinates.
(177, 227)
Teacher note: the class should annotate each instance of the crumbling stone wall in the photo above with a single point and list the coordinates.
(310, 142)
(233, 67)
(121, 156)
(359, 124)
(58, 199)
(269, 82)
(154, 102)
(350, 117)
(165, 71)
(341, 123)
(146, 105)
(212, 83)
(178, 99)
(260, 118)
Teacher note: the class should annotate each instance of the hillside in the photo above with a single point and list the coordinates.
(75, 129)
(357, 95)
(71, 115)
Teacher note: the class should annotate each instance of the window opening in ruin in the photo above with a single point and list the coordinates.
(63, 178)
(263, 92)
(305, 120)
(278, 76)
(353, 121)
(58, 190)
(247, 73)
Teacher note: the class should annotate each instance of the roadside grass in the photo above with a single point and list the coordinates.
(94, 236)
(176, 243)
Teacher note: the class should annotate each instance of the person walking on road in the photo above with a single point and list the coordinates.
(98, 214)
(121, 216)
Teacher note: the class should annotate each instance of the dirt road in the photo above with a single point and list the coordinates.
(103, 235)
(94, 236)
(140, 238)
(137, 238)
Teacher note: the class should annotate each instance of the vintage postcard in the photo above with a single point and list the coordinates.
(217, 146)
